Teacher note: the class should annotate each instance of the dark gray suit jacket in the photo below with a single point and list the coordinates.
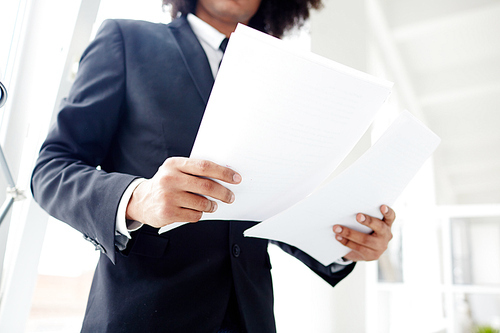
(138, 99)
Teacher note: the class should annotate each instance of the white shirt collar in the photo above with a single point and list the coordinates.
(205, 31)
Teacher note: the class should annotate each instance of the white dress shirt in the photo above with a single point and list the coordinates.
(210, 39)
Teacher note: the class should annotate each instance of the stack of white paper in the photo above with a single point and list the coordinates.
(284, 120)
(378, 177)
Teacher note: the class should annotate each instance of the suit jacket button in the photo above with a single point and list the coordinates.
(236, 250)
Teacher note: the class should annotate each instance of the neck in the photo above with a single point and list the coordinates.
(223, 27)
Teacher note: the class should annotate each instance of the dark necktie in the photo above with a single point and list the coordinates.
(222, 47)
(223, 44)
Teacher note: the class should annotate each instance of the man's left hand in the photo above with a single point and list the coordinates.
(367, 247)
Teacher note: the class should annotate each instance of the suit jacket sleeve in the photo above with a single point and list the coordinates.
(332, 274)
(66, 180)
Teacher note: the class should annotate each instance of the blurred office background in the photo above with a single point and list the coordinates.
(442, 270)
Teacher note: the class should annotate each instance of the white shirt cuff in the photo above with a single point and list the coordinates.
(342, 261)
(123, 226)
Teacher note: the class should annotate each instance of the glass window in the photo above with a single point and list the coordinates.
(11, 15)
(473, 241)
(8, 18)
(475, 311)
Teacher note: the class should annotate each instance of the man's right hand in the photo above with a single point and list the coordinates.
(177, 191)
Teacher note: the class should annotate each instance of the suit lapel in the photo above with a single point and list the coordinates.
(194, 57)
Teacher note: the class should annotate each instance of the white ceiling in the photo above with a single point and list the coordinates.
(451, 51)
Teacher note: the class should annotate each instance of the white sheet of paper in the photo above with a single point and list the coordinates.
(283, 119)
(378, 177)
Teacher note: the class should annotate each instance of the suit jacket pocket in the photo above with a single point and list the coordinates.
(149, 245)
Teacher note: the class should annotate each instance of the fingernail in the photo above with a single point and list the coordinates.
(231, 200)
(362, 218)
(339, 237)
(385, 209)
(338, 230)
(236, 178)
(214, 206)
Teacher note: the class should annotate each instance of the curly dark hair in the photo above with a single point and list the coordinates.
(274, 17)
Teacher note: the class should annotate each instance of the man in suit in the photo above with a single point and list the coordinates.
(115, 167)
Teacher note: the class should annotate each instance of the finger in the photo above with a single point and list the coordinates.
(389, 214)
(197, 202)
(173, 214)
(359, 251)
(187, 215)
(346, 235)
(209, 188)
(378, 226)
(208, 169)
